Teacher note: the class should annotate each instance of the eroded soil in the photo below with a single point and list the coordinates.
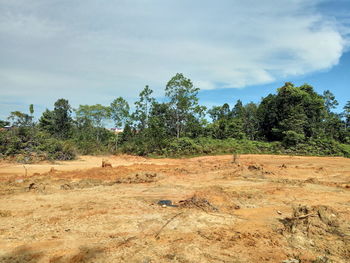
(263, 208)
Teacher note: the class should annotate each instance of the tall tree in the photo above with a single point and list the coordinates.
(96, 115)
(62, 119)
(143, 108)
(46, 122)
(119, 111)
(57, 122)
(183, 101)
(219, 112)
(296, 111)
(250, 121)
(329, 100)
(159, 128)
(238, 110)
(333, 124)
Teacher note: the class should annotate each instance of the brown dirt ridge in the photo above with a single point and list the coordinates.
(251, 208)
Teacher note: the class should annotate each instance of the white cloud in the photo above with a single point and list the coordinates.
(104, 49)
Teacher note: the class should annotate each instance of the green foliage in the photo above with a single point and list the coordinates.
(119, 111)
(297, 109)
(220, 112)
(329, 100)
(62, 119)
(46, 122)
(31, 109)
(96, 114)
(89, 139)
(33, 144)
(183, 103)
(292, 138)
(4, 123)
(177, 147)
(143, 108)
(59, 121)
(20, 119)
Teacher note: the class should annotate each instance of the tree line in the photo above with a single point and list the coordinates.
(293, 118)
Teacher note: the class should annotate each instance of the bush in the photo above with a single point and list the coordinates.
(34, 145)
(202, 146)
(292, 138)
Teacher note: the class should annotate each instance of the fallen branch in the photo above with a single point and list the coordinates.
(304, 216)
(125, 241)
(301, 217)
(171, 219)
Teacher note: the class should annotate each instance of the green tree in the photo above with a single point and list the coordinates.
(20, 119)
(62, 119)
(31, 109)
(250, 121)
(46, 122)
(97, 114)
(119, 112)
(219, 112)
(226, 124)
(159, 128)
(238, 110)
(297, 109)
(94, 115)
(183, 102)
(333, 125)
(143, 108)
(57, 122)
(329, 100)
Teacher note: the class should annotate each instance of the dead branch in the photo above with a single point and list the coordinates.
(126, 241)
(301, 217)
(171, 219)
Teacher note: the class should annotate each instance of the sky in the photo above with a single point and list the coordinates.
(93, 51)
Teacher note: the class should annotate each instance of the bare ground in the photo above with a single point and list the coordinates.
(263, 209)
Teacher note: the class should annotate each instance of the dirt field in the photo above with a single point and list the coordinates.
(262, 208)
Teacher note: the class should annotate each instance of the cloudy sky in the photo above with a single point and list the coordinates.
(92, 51)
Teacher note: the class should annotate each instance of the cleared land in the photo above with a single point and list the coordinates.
(262, 208)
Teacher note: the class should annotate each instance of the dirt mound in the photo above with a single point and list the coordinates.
(37, 187)
(254, 170)
(319, 228)
(198, 203)
(137, 178)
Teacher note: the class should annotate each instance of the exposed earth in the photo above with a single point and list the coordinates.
(261, 208)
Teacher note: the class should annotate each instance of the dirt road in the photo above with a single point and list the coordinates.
(263, 208)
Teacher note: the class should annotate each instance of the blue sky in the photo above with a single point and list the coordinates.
(93, 51)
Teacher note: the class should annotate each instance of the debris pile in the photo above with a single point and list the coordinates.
(144, 177)
(199, 203)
